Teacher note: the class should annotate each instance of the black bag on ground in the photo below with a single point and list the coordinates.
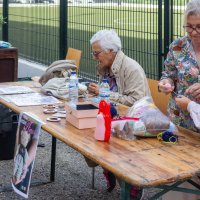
(8, 129)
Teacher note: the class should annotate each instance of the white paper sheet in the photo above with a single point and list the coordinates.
(30, 99)
(15, 89)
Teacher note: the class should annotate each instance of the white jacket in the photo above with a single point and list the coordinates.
(194, 110)
(130, 79)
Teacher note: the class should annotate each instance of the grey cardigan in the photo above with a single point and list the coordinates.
(130, 78)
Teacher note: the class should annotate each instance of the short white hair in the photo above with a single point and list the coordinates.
(193, 8)
(108, 39)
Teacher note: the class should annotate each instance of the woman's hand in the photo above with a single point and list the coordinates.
(165, 86)
(194, 92)
(182, 102)
(94, 88)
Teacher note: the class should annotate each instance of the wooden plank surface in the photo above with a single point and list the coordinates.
(144, 162)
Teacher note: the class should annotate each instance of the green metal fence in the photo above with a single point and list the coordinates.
(136, 24)
(43, 32)
(178, 18)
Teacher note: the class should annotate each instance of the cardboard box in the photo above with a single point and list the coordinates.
(84, 116)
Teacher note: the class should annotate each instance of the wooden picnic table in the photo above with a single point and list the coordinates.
(144, 162)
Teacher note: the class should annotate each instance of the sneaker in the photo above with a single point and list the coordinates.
(111, 180)
(136, 193)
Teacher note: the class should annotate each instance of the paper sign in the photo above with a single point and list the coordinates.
(25, 151)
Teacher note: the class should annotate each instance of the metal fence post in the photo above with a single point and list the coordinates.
(167, 25)
(5, 17)
(63, 29)
(160, 38)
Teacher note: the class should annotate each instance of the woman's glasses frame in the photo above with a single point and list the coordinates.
(190, 28)
(96, 53)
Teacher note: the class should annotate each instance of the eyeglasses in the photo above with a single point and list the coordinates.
(96, 53)
(190, 29)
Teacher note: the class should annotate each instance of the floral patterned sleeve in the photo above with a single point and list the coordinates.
(182, 68)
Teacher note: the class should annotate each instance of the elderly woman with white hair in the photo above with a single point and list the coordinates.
(182, 68)
(125, 76)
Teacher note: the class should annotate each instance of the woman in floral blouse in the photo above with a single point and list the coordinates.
(182, 68)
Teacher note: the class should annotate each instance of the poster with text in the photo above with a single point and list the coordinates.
(25, 152)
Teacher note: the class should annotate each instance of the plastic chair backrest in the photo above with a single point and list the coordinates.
(74, 54)
(160, 99)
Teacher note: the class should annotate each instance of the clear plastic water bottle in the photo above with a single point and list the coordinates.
(104, 90)
(73, 89)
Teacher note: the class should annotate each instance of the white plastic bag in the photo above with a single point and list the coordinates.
(127, 128)
(155, 121)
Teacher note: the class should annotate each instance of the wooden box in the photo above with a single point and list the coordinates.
(8, 64)
(84, 116)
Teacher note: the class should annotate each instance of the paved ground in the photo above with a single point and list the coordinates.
(73, 177)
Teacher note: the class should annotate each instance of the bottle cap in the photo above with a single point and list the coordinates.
(104, 80)
(73, 72)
